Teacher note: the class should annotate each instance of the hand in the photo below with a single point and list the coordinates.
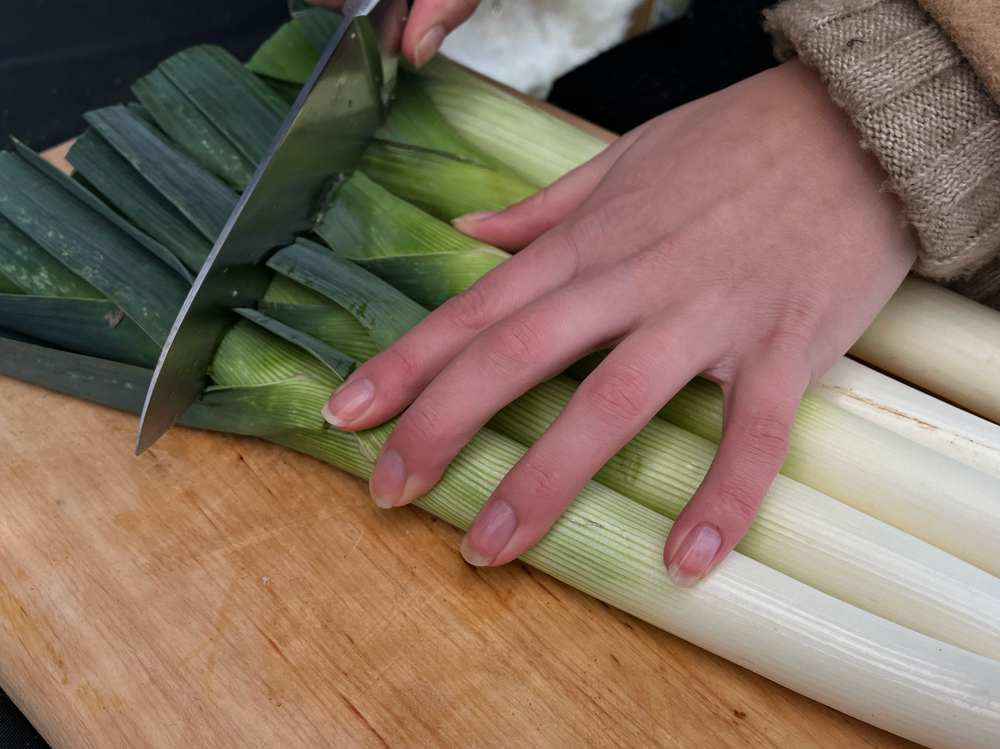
(744, 236)
(428, 24)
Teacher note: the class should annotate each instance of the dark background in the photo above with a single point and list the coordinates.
(60, 58)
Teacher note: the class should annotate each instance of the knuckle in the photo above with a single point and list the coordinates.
(765, 436)
(472, 309)
(538, 480)
(515, 344)
(620, 396)
(402, 363)
(425, 423)
(738, 502)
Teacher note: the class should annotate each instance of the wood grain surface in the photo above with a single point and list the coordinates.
(223, 592)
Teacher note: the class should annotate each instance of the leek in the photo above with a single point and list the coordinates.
(273, 371)
(913, 414)
(611, 548)
(906, 485)
(799, 531)
(444, 185)
(532, 143)
(939, 341)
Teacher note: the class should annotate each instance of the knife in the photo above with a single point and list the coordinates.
(325, 134)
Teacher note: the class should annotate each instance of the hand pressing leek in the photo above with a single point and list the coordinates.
(692, 251)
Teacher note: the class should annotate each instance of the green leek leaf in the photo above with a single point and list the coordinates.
(179, 118)
(239, 104)
(120, 386)
(331, 324)
(91, 246)
(26, 266)
(7, 286)
(442, 184)
(287, 55)
(366, 220)
(250, 355)
(195, 192)
(287, 91)
(92, 201)
(318, 24)
(95, 327)
(338, 362)
(286, 291)
(434, 278)
(414, 119)
(261, 410)
(385, 312)
(122, 186)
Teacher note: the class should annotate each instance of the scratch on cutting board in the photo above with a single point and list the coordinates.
(355, 545)
(221, 621)
(97, 701)
(13, 610)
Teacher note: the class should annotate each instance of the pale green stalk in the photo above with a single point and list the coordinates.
(611, 547)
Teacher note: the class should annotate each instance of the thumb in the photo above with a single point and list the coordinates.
(429, 22)
(759, 418)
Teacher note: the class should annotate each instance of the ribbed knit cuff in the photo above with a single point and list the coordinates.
(919, 107)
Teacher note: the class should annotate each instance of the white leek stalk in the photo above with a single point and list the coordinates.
(913, 414)
(911, 487)
(610, 547)
(941, 342)
(798, 531)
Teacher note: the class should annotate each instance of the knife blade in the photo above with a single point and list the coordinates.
(324, 135)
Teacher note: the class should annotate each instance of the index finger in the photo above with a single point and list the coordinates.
(391, 380)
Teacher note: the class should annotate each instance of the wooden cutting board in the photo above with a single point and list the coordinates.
(226, 593)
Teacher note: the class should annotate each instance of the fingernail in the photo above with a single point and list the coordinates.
(348, 402)
(388, 480)
(690, 563)
(489, 534)
(471, 218)
(428, 45)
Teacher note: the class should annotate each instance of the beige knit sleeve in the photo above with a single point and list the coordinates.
(920, 108)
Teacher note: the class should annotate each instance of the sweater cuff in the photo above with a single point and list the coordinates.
(920, 108)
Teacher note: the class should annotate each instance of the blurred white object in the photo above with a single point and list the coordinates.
(527, 44)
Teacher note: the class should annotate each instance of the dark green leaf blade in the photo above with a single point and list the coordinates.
(28, 267)
(385, 312)
(86, 326)
(7, 286)
(318, 24)
(197, 193)
(108, 383)
(89, 199)
(119, 183)
(91, 246)
(287, 91)
(179, 118)
(238, 103)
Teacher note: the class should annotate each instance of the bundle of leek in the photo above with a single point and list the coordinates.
(822, 598)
